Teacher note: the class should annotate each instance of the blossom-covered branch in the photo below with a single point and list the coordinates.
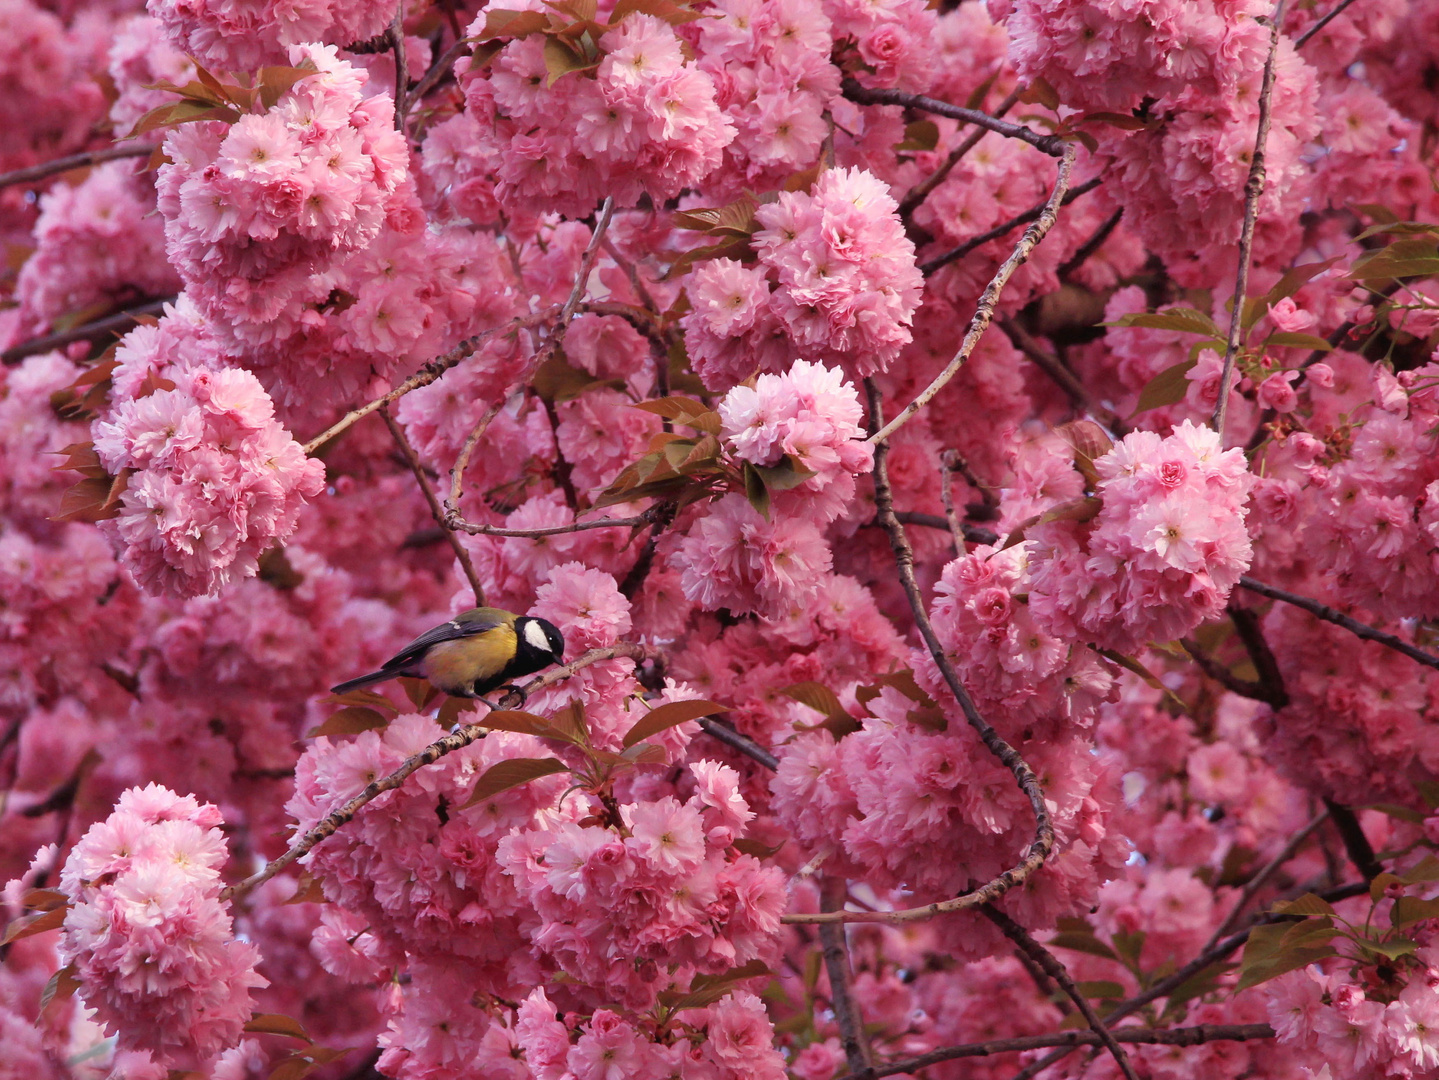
(46, 169)
(1052, 145)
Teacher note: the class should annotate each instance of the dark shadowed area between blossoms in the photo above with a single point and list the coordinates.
(980, 457)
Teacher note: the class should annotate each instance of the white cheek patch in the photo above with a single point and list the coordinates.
(535, 637)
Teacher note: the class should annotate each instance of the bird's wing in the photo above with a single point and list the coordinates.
(468, 624)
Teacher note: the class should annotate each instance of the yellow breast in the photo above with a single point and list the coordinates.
(455, 666)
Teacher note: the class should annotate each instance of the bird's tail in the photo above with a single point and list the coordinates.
(363, 680)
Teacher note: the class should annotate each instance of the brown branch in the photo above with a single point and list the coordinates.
(1253, 188)
(921, 191)
(1043, 842)
(745, 745)
(428, 373)
(662, 514)
(116, 324)
(1271, 679)
(1057, 971)
(1223, 676)
(636, 522)
(1003, 229)
(457, 471)
(413, 459)
(402, 71)
(847, 1016)
(1338, 618)
(975, 534)
(1257, 882)
(1356, 844)
(1052, 145)
(1185, 1036)
(74, 161)
(946, 496)
(1087, 249)
(331, 822)
(1321, 24)
(984, 311)
(1062, 377)
(438, 70)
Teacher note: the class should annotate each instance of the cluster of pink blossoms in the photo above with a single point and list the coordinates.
(836, 281)
(645, 122)
(152, 943)
(1161, 555)
(214, 479)
(242, 37)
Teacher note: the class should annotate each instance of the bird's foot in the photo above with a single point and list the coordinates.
(512, 688)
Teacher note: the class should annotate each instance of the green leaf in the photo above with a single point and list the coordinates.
(668, 715)
(1394, 948)
(561, 59)
(1308, 904)
(420, 692)
(1129, 946)
(1382, 882)
(817, 696)
(1399, 228)
(1401, 813)
(452, 709)
(1039, 92)
(1298, 341)
(1427, 869)
(1266, 957)
(350, 721)
(755, 491)
(707, 989)
(1100, 988)
(1204, 981)
(646, 754)
(789, 473)
(1167, 388)
(675, 14)
(756, 848)
(919, 136)
(1411, 909)
(1082, 941)
(1403, 258)
(500, 22)
(1429, 791)
(504, 775)
(277, 1024)
(1292, 281)
(273, 82)
(1128, 663)
(1181, 319)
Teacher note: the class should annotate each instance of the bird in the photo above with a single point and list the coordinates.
(477, 651)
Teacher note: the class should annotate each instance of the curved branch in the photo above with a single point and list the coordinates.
(116, 324)
(984, 311)
(74, 161)
(1052, 145)
(456, 740)
(917, 194)
(1338, 618)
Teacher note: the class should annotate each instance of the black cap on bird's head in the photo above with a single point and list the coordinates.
(540, 641)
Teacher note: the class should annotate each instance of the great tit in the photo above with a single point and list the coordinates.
(475, 652)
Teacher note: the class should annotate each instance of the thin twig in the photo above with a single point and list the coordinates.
(457, 471)
(1089, 247)
(1051, 966)
(639, 521)
(1052, 145)
(1356, 844)
(427, 374)
(402, 71)
(437, 71)
(1062, 377)
(975, 534)
(917, 194)
(1258, 881)
(75, 161)
(1321, 24)
(436, 511)
(1043, 841)
(946, 496)
(1223, 676)
(1253, 188)
(1004, 228)
(745, 745)
(456, 740)
(587, 264)
(1184, 1036)
(93, 331)
(847, 1016)
(1338, 618)
(984, 312)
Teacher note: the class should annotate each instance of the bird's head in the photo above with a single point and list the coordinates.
(540, 637)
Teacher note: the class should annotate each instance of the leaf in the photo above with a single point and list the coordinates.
(1264, 958)
(44, 899)
(30, 925)
(755, 491)
(570, 722)
(276, 570)
(1082, 941)
(61, 985)
(646, 754)
(277, 1024)
(922, 135)
(1100, 988)
(93, 500)
(734, 220)
(670, 714)
(1292, 281)
(526, 724)
(756, 848)
(1128, 946)
(1081, 509)
(733, 248)
(558, 380)
(1167, 388)
(1286, 339)
(500, 22)
(362, 696)
(1128, 663)
(1308, 904)
(1394, 948)
(561, 59)
(1119, 120)
(512, 773)
(350, 721)
(1399, 228)
(1039, 92)
(1427, 869)
(1411, 909)
(452, 709)
(81, 458)
(675, 408)
(673, 13)
(1403, 258)
(789, 473)
(1429, 792)
(1204, 981)
(1089, 441)
(1180, 319)
(707, 989)
(419, 691)
(1380, 884)
(817, 696)
(273, 82)
(308, 891)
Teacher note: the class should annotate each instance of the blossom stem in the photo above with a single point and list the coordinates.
(45, 169)
(1051, 966)
(1338, 618)
(984, 312)
(456, 740)
(1253, 188)
(1052, 145)
(1043, 842)
(1322, 23)
(436, 511)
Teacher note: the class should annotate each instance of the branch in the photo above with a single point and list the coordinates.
(1052, 145)
(974, 534)
(1321, 24)
(1056, 971)
(437, 71)
(1065, 379)
(1090, 246)
(427, 374)
(637, 522)
(402, 71)
(74, 161)
(917, 194)
(1338, 618)
(1253, 188)
(984, 312)
(456, 740)
(1224, 677)
(413, 459)
(1185, 1036)
(453, 520)
(1356, 844)
(732, 738)
(847, 1016)
(93, 331)
(1254, 884)
(1043, 842)
(1271, 679)
(1003, 229)
(946, 496)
